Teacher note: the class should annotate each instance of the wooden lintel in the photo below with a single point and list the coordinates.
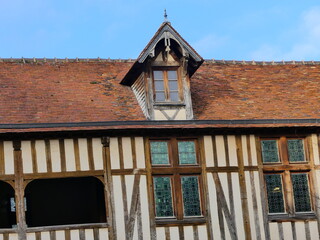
(63, 174)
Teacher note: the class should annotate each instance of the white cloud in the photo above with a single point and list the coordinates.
(304, 40)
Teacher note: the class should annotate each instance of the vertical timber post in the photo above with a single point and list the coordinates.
(19, 191)
(108, 188)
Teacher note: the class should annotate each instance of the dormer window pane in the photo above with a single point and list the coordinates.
(166, 87)
(173, 85)
(160, 97)
(172, 75)
(174, 96)
(159, 85)
(158, 75)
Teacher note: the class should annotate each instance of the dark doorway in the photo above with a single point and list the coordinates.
(7, 206)
(65, 201)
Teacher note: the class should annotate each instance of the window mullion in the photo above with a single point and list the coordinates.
(284, 158)
(166, 85)
(288, 192)
(178, 195)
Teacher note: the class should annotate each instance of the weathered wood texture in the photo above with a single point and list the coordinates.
(234, 201)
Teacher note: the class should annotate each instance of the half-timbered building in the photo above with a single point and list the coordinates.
(168, 146)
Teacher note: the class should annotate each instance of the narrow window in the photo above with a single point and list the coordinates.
(301, 192)
(275, 193)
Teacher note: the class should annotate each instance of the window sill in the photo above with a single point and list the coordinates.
(291, 218)
(175, 222)
(8, 230)
(67, 227)
(168, 104)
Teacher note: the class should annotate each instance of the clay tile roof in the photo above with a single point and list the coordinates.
(256, 91)
(46, 92)
(224, 92)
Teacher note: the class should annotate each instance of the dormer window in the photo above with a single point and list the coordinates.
(160, 78)
(166, 86)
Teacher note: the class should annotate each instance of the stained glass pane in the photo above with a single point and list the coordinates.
(296, 150)
(270, 151)
(158, 75)
(162, 196)
(159, 153)
(274, 192)
(190, 194)
(301, 192)
(187, 152)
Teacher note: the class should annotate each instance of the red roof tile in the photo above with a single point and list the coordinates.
(237, 91)
(66, 92)
(71, 92)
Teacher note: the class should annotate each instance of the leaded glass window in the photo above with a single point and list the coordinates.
(275, 193)
(287, 178)
(301, 192)
(159, 153)
(187, 152)
(270, 152)
(191, 198)
(296, 150)
(176, 171)
(163, 196)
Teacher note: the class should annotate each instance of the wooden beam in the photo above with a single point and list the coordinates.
(206, 198)
(134, 206)
(109, 188)
(153, 232)
(2, 162)
(243, 189)
(220, 214)
(253, 192)
(19, 191)
(223, 204)
(263, 190)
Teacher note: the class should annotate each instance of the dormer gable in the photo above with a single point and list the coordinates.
(160, 77)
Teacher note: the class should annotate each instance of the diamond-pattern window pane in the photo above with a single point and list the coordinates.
(159, 153)
(275, 193)
(187, 152)
(296, 150)
(270, 153)
(163, 196)
(191, 197)
(301, 192)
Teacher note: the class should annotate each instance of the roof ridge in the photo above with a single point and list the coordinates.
(130, 60)
(64, 60)
(253, 62)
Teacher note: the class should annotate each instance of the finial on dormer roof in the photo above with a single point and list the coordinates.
(165, 15)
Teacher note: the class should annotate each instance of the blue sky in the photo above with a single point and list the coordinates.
(219, 29)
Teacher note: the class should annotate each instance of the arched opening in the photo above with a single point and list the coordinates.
(7, 206)
(65, 201)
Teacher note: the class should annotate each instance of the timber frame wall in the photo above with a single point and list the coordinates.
(234, 196)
